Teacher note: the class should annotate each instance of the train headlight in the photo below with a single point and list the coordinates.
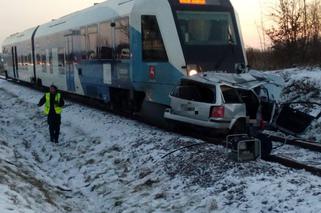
(192, 70)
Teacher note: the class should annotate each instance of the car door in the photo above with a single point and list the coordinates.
(233, 105)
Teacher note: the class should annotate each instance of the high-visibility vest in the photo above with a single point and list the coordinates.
(58, 109)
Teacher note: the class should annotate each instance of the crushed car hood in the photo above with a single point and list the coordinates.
(273, 83)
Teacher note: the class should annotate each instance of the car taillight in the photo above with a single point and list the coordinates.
(261, 124)
(217, 112)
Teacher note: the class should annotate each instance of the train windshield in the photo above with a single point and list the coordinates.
(206, 28)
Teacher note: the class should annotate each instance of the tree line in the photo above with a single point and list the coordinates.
(294, 35)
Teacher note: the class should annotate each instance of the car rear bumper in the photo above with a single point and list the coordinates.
(213, 124)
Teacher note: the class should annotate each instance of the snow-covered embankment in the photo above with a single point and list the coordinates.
(105, 163)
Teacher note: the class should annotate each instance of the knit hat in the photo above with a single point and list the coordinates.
(54, 86)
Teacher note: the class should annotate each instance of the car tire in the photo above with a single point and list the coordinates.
(239, 127)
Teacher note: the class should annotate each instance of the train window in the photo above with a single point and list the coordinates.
(7, 57)
(10, 59)
(206, 28)
(105, 48)
(61, 60)
(92, 29)
(44, 61)
(38, 58)
(153, 45)
(25, 60)
(47, 64)
(92, 41)
(50, 61)
(29, 59)
(20, 60)
(83, 48)
(122, 48)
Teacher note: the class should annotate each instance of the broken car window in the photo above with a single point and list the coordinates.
(195, 93)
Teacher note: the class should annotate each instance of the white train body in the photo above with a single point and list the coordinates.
(136, 50)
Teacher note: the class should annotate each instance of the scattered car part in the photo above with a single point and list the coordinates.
(295, 117)
(243, 147)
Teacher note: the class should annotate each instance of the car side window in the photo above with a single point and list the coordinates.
(231, 96)
(248, 96)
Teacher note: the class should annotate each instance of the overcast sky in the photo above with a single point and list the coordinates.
(18, 15)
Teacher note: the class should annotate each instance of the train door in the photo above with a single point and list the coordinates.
(70, 75)
(122, 53)
(158, 73)
(14, 62)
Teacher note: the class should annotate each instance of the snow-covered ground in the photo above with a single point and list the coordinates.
(105, 163)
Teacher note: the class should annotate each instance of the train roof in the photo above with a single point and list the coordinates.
(107, 10)
(19, 37)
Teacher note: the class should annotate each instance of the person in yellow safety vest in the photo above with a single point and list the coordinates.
(53, 102)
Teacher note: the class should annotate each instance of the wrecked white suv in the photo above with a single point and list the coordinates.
(218, 101)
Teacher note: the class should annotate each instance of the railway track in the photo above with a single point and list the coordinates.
(291, 163)
(294, 164)
(310, 145)
(285, 161)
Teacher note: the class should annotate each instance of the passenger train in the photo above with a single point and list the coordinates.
(128, 53)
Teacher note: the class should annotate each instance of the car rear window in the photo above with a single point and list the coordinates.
(196, 93)
(231, 96)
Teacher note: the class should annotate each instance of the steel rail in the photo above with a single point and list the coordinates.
(294, 164)
(309, 145)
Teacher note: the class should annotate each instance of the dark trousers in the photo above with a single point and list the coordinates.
(54, 122)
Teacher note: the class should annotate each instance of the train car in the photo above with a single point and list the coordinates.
(129, 53)
(1, 64)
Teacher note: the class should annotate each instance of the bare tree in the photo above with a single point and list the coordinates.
(296, 31)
